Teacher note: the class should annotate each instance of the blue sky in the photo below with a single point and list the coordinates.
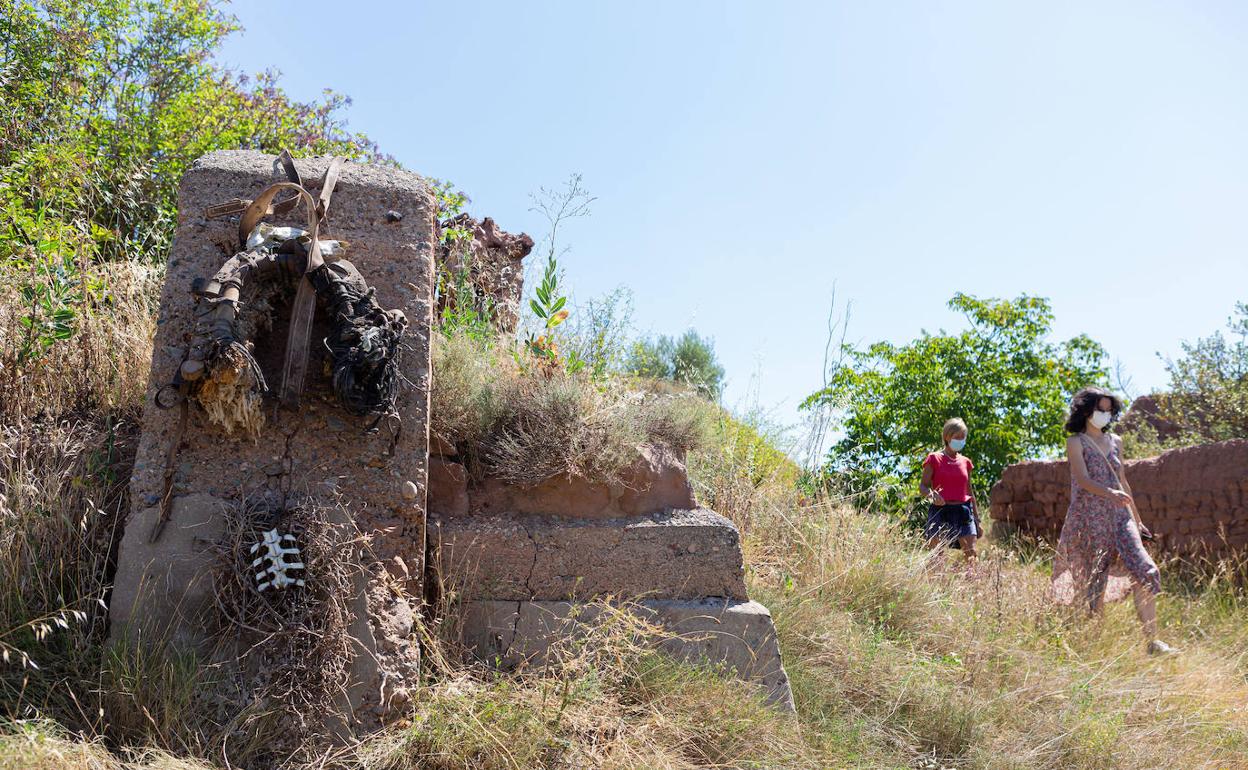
(748, 157)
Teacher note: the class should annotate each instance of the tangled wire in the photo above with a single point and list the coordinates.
(364, 342)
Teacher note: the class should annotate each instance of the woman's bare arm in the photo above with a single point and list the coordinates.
(1126, 487)
(1079, 470)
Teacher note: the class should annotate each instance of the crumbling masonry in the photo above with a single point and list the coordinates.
(521, 559)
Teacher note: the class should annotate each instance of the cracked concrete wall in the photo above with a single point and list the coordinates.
(523, 564)
(319, 455)
(1195, 499)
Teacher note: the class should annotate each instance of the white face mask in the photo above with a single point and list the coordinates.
(1100, 419)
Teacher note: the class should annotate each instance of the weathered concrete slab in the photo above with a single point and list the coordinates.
(319, 455)
(168, 584)
(657, 481)
(680, 554)
(738, 634)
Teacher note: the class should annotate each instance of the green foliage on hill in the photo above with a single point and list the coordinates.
(1207, 396)
(1002, 375)
(687, 360)
(103, 106)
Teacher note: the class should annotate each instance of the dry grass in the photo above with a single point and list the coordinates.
(104, 367)
(527, 425)
(604, 698)
(896, 660)
(898, 657)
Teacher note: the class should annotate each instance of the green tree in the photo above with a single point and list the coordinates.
(689, 360)
(1002, 375)
(1207, 396)
(103, 105)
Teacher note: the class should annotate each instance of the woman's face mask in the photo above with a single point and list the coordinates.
(1101, 419)
(956, 444)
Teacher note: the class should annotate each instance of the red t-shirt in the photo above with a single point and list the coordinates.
(951, 476)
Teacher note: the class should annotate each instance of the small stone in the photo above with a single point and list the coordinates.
(402, 566)
(410, 490)
(394, 216)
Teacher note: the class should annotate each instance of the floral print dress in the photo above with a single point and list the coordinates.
(1099, 554)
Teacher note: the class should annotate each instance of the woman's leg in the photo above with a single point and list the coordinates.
(1098, 581)
(1146, 610)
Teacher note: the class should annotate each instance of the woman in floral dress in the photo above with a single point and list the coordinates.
(1100, 555)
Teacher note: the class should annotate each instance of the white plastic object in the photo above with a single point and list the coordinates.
(275, 555)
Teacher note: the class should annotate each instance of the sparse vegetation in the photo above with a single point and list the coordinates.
(688, 360)
(897, 657)
(525, 425)
(1207, 397)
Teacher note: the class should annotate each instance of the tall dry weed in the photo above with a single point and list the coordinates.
(102, 367)
(602, 697)
(527, 425)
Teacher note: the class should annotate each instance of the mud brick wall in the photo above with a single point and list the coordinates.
(1194, 499)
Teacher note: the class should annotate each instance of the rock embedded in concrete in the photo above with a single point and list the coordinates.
(493, 260)
(680, 554)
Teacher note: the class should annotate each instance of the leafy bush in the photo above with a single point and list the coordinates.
(1207, 397)
(1002, 375)
(689, 360)
(103, 106)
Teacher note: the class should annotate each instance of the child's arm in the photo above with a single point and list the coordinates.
(925, 485)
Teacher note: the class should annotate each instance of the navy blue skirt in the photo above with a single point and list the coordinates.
(950, 522)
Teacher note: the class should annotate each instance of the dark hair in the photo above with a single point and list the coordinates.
(1084, 404)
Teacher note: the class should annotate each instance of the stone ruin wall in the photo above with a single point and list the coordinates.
(491, 260)
(1194, 499)
(519, 563)
(318, 457)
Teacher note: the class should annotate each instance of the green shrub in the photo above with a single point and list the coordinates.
(689, 360)
(1003, 376)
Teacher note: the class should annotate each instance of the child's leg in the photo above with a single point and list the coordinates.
(968, 547)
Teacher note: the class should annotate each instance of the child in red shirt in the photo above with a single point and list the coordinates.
(947, 484)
